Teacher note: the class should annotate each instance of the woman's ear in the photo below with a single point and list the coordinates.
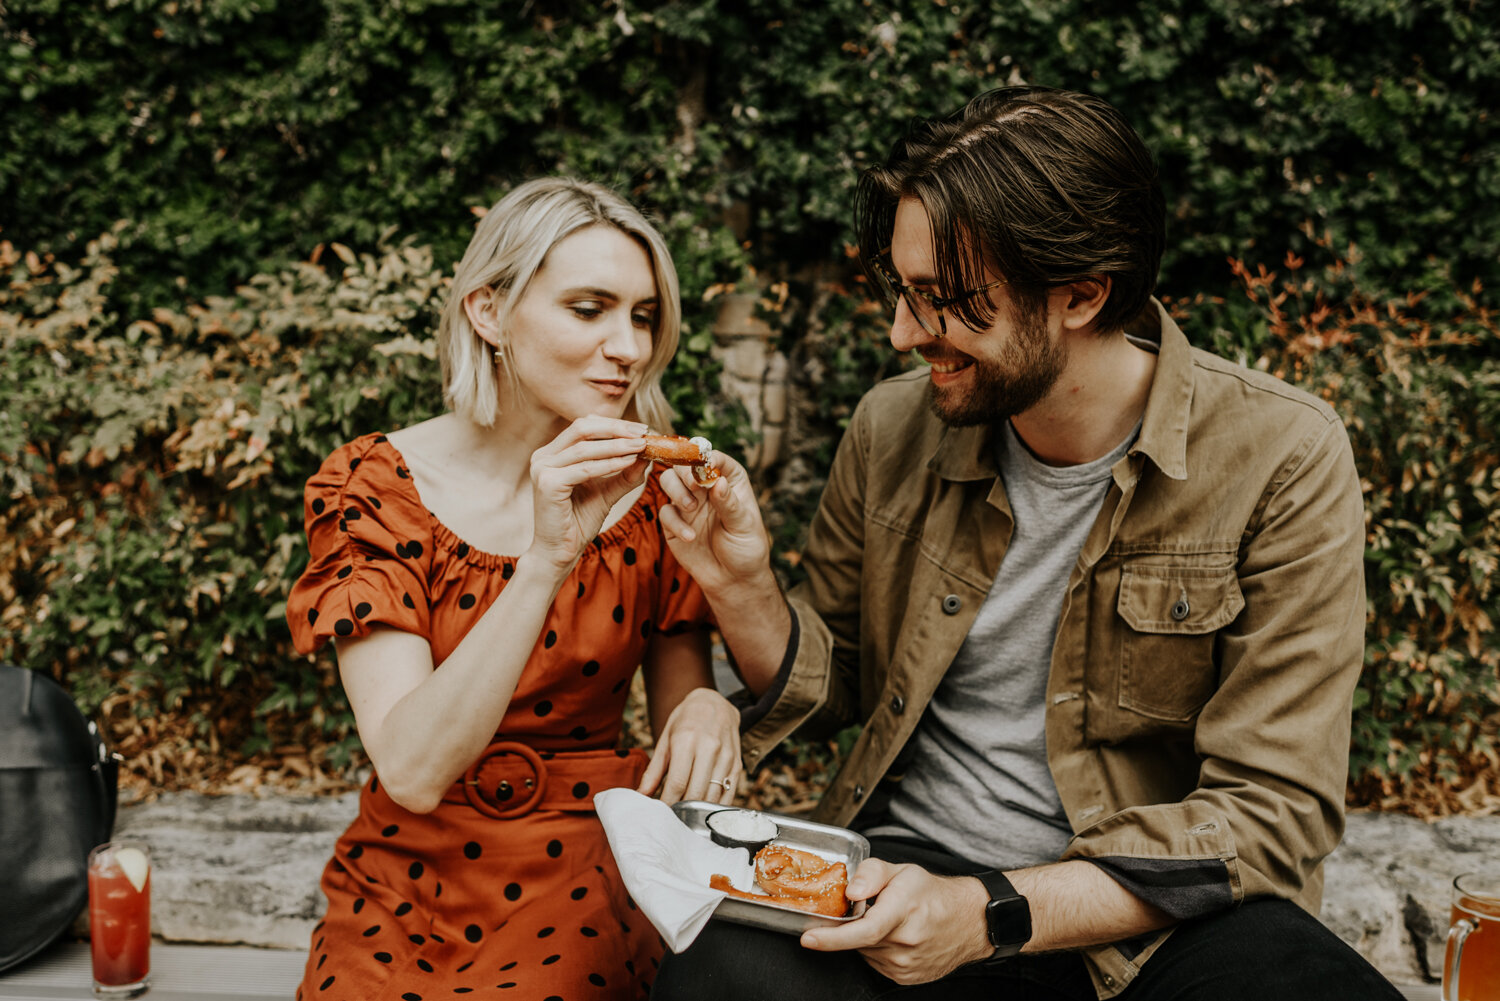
(482, 307)
(1080, 302)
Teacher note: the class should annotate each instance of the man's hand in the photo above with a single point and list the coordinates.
(920, 928)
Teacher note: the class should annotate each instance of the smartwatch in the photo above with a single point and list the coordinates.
(1007, 916)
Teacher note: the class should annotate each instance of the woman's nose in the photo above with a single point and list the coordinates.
(623, 345)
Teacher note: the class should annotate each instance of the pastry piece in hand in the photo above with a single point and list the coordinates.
(675, 450)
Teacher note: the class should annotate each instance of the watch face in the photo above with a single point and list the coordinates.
(1009, 921)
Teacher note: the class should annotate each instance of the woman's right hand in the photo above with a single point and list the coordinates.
(576, 479)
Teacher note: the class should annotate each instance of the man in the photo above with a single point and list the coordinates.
(1096, 597)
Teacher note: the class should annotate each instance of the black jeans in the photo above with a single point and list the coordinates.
(1265, 949)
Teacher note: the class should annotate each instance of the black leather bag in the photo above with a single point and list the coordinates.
(57, 801)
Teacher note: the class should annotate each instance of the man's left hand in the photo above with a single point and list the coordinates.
(918, 926)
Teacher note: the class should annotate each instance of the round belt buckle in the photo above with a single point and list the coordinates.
(531, 802)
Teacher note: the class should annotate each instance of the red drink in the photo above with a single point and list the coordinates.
(1471, 968)
(120, 918)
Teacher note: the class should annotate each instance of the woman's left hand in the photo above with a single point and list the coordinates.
(697, 755)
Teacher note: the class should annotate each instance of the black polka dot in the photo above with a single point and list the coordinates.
(467, 601)
(415, 870)
(463, 968)
(319, 943)
(580, 790)
(326, 984)
(356, 851)
(344, 572)
(542, 708)
(588, 932)
(389, 831)
(381, 439)
(371, 879)
(414, 549)
(554, 848)
(343, 525)
(473, 933)
(551, 959)
(462, 550)
(629, 556)
(645, 629)
(374, 786)
(403, 909)
(676, 586)
(649, 515)
(352, 514)
(374, 502)
(401, 550)
(590, 669)
(545, 932)
(507, 571)
(321, 960)
(630, 904)
(382, 957)
(472, 850)
(551, 639)
(372, 930)
(362, 609)
(354, 465)
(463, 990)
(513, 891)
(579, 892)
(507, 985)
(437, 892)
(579, 733)
(406, 600)
(619, 613)
(317, 505)
(509, 966)
(596, 980)
(401, 472)
(359, 905)
(619, 685)
(416, 939)
(580, 589)
(424, 966)
(343, 627)
(312, 616)
(656, 567)
(630, 966)
(411, 996)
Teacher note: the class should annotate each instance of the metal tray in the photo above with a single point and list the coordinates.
(833, 843)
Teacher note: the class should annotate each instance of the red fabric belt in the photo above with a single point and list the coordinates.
(510, 779)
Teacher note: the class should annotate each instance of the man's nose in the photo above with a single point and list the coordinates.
(906, 332)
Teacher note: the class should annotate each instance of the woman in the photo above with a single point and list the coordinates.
(492, 578)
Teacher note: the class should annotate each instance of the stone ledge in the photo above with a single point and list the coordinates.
(245, 869)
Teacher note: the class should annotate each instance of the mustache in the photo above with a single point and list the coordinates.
(943, 357)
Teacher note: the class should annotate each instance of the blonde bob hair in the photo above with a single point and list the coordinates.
(509, 247)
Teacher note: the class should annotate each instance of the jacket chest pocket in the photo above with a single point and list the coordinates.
(1171, 615)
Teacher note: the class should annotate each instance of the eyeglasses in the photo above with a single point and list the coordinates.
(926, 307)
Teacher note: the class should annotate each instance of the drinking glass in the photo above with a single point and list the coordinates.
(120, 918)
(1471, 966)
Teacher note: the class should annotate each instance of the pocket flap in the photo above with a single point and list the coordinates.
(1175, 599)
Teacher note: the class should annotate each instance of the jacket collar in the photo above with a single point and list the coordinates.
(968, 453)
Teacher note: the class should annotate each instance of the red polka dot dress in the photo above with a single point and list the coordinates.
(508, 888)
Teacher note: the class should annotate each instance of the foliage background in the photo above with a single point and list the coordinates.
(226, 225)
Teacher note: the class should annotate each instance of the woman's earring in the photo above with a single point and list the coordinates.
(499, 358)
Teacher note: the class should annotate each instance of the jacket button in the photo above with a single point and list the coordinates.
(952, 604)
(1109, 981)
(1181, 609)
(859, 792)
(897, 703)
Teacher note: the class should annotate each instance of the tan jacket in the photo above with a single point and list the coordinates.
(1210, 638)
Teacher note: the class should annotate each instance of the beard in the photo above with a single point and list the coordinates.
(1028, 368)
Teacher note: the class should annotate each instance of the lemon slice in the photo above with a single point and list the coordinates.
(133, 862)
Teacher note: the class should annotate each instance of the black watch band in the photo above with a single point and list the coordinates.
(1007, 916)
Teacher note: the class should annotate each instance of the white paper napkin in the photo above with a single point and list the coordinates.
(666, 866)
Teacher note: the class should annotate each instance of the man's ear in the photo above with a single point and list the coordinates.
(1078, 303)
(482, 307)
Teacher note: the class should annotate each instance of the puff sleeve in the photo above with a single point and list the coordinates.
(369, 548)
(681, 605)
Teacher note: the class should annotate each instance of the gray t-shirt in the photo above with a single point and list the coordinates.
(979, 784)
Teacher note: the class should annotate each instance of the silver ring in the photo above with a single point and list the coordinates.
(728, 784)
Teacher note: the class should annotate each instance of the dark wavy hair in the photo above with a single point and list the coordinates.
(1043, 186)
